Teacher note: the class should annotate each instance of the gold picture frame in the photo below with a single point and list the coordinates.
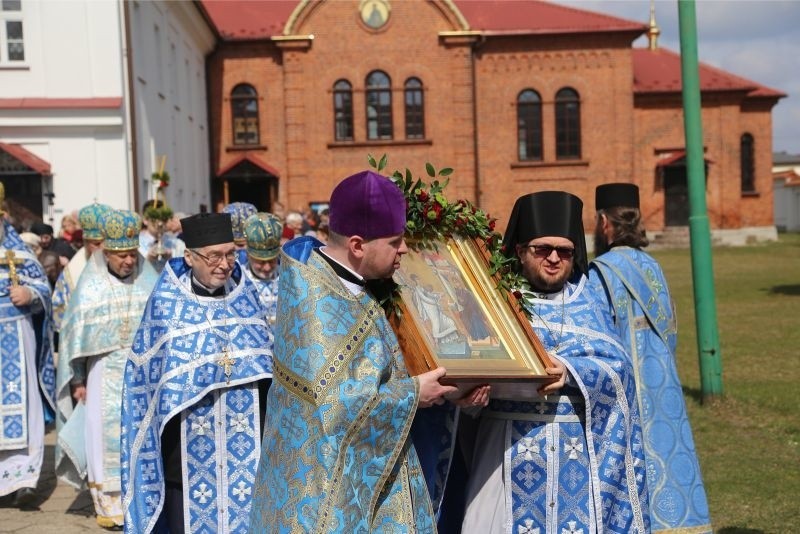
(451, 314)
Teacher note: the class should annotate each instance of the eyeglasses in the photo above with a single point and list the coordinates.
(544, 251)
(215, 258)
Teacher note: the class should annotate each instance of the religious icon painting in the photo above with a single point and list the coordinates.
(451, 314)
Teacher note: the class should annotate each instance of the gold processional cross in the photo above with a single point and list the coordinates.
(12, 261)
(227, 362)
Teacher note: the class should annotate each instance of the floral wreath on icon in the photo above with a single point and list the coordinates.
(431, 219)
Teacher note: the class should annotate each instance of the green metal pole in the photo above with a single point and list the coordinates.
(699, 230)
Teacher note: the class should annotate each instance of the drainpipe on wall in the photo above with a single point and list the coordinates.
(129, 103)
(475, 143)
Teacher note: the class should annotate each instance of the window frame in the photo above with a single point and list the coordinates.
(414, 111)
(252, 120)
(528, 136)
(345, 108)
(382, 116)
(747, 163)
(568, 124)
(7, 16)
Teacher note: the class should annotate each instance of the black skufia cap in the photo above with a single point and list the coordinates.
(616, 195)
(544, 214)
(205, 229)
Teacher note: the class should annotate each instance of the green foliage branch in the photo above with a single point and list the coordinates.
(431, 218)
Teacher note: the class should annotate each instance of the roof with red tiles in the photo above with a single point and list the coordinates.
(655, 71)
(27, 158)
(659, 71)
(251, 158)
(537, 17)
(248, 19)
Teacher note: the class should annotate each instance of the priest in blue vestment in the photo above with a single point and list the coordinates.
(27, 374)
(263, 232)
(568, 456)
(90, 218)
(337, 454)
(632, 286)
(103, 313)
(195, 389)
(239, 212)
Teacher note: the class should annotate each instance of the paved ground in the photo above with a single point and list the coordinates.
(59, 510)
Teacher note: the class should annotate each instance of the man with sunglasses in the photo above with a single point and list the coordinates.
(566, 456)
(103, 313)
(195, 390)
(633, 288)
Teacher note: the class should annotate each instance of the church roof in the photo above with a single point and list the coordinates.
(246, 19)
(659, 71)
(26, 158)
(654, 71)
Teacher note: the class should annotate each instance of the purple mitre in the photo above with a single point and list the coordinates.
(369, 205)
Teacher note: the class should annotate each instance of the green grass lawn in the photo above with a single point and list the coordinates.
(747, 440)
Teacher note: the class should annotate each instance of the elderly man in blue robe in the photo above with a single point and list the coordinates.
(97, 334)
(632, 286)
(263, 234)
(239, 212)
(27, 374)
(568, 456)
(337, 453)
(195, 390)
(90, 218)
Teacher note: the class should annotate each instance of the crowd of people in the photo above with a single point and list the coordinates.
(235, 372)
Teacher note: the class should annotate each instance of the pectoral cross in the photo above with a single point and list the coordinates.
(124, 332)
(226, 362)
(12, 261)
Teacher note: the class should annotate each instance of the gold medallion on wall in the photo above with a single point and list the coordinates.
(374, 13)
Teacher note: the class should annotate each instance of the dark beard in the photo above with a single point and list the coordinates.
(601, 246)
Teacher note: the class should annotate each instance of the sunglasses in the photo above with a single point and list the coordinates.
(544, 251)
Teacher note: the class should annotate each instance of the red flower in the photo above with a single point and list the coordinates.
(491, 225)
(422, 195)
(517, 294)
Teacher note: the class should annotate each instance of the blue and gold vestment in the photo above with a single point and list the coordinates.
(23, 330)
(336, 454)
(101, 318)
(634, 288)
(178, 366)
(572, 462)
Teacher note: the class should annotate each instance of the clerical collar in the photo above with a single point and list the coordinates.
(118, 277)
(342, 271)
(548, 296)
(202, 291)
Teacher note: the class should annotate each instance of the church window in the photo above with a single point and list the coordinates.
(415, 109)
(379, 106)
(747, 163)
(343, 110)
(568, 124)
(244, 109)
(529, 125)
(12, 42)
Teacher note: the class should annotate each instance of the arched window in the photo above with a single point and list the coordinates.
(529, 125)
(415, 109)
(379, 106)
(244, 109)
(747, 161)
(568, 124)
(343, 110)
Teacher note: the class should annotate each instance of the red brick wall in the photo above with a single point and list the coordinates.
(620, 133)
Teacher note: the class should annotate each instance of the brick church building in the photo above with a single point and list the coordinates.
(516, 96)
